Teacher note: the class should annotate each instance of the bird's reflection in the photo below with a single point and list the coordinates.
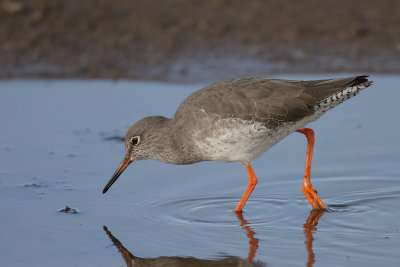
(309, 228)
(132, 260)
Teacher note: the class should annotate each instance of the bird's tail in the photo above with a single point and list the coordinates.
(349, 88)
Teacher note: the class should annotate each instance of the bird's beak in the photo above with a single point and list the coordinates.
(122, 166)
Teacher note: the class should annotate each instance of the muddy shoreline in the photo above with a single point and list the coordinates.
(176, 40)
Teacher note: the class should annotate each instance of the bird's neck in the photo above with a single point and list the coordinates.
(167, 148)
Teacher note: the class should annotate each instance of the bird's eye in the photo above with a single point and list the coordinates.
(135, 140)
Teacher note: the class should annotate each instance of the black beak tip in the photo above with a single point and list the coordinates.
(122, 166)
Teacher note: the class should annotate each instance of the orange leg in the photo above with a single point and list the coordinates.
(308, 189)
(250, 187)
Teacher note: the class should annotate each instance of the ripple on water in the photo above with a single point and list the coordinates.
(360, 207)
(361, 194)
(343, 195)
(202, 209)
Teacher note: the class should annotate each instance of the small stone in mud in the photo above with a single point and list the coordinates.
(68, 210)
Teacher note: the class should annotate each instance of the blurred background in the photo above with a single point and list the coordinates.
(60, 138)
(189, 40)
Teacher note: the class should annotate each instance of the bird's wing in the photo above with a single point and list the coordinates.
(270, 101)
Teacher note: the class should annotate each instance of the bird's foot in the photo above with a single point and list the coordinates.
(312, 197)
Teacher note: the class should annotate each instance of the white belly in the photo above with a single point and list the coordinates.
(233, 139)
(242, 141)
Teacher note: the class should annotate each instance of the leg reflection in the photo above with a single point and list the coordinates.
(250, 234)
(309, 228)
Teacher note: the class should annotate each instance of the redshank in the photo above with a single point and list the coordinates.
(237, 121)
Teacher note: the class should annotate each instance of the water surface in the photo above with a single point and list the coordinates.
(59, 146)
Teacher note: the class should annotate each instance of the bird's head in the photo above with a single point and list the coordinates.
(141, 142)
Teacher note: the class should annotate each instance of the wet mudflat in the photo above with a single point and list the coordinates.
(60, 145)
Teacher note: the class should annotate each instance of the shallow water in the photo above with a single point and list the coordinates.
(58, 149)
